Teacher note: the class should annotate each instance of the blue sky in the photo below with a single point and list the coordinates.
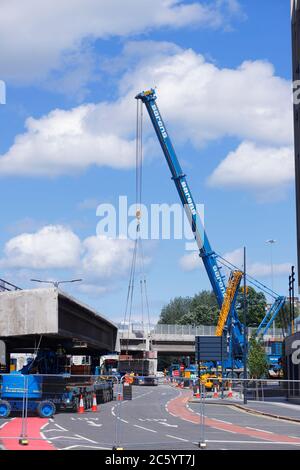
(222, 70)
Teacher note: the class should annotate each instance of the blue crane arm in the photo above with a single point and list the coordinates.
(208, 256)
(205, 251)
(270, 316)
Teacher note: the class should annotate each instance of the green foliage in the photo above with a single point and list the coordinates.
(175, 310)
(257, 360)
(256, 306)
(202, 309)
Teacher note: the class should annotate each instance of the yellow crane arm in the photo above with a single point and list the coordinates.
(233, 285)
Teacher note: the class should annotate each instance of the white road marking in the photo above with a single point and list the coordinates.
(141, 427)
(251, 442)
(169, 425)
(123, 420)
(60, 427)
(220, 420)
(179, 438)
(44, 437)
(91, 423)
(6, 422)
(294, 437)
(64, 437)
(86, 439)
(86, 447)
(112, 411)
(260, 430)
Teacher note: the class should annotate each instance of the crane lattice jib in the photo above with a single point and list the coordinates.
(232, 287)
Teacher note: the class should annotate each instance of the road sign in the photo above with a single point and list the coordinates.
(211, 348)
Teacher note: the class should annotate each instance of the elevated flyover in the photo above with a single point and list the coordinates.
(49, 318)
(175, 340)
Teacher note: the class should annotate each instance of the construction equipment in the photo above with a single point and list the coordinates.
(47, 389)
(208, 255)
(229, 300)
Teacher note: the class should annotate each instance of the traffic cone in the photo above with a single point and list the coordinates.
(215, 395)
(198, 393)
(230, 394)
(119, 397)
(81, 406)
(94, 407)
(182, 385)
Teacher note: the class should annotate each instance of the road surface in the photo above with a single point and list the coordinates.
(157, 418)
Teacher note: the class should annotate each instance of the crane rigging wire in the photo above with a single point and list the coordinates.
(138, 262)
(250, 279)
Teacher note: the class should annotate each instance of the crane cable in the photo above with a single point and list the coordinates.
(250, 279)
(138, 254)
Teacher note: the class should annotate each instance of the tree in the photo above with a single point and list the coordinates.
(257, 359)
(175, 310)
(256, 306)
(202, 309)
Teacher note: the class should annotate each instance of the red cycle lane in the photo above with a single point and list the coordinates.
(11, 431)
(178, 408)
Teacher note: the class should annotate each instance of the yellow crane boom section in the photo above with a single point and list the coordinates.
(233, 285)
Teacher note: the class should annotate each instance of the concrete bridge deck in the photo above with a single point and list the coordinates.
(51, 316)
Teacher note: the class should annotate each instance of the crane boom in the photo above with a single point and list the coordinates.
(229, 300)
(206, 253)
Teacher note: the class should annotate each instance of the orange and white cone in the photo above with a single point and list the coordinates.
(215, 395)
(94, 407)
(230, 394)
(119, 396)
(81, 405)
(198, 393)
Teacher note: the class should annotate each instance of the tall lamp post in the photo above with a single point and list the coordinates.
(271, 242)
(56, 283)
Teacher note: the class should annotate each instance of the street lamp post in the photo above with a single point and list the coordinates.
(56, 283)
(271, 243)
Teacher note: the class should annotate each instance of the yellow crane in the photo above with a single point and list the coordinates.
(233, 285)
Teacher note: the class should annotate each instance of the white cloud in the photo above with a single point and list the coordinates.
(249, 103)
(255, 166)
(35, 35)
(191, 261)
(61, 142)
(54, 246)
(98, 260)
(105, 258)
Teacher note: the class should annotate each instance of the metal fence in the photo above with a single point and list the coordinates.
(100, 412)
(184, 330)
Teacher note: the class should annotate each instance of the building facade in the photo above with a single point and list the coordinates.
(295, 13)
(292, 366)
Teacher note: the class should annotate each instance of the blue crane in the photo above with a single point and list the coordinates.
(208, 256)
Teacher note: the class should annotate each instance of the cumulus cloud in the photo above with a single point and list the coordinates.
(255, 166)
(46, 32)
(106, 258)
(97, 259)
(249, 103)
(53, 246)
(61, 142)
(191, 262)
